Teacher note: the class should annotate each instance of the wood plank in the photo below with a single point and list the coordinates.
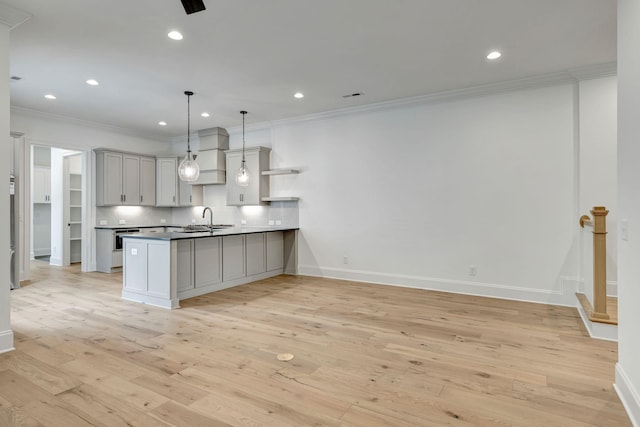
(364, 355)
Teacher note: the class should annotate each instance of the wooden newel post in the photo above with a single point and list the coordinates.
(600, 262)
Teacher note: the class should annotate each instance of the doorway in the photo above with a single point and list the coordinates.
(57, 205)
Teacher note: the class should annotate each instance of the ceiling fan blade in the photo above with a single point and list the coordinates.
(193, 6)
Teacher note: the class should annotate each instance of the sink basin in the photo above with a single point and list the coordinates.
(203, 228)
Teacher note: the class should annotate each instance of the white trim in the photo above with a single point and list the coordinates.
(57, 261)
(6, 341)
(12, 17)
(87, 123)
(612, 288)
(564, 295)
(597, 330)
(628, 395)
(540, 81)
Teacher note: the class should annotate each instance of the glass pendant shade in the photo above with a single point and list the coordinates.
(242, 175)
(188, 169)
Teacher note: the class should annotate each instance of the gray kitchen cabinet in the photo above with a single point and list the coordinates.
(257, 160)
(184, 266)
(171, 190)
(255, 253)
(166, 181)
(233, 257)
(274, 247)
(208, 261)
(118, 179)
(130, 180)
(147, 181)
(189, 194)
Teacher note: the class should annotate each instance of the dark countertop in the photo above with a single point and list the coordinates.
(230, 231)
(127, 227)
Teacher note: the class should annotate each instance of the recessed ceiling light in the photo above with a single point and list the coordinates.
(92, 82)
(50, 96)
(298, 95)
(175, 35)
(205, 114)
(494, 55)
(162, 123)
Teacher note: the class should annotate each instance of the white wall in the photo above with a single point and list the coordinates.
(6, 335)
(598, 160)
(628, 368)
(418, 194)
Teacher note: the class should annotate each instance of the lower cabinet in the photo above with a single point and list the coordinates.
(233, 260)
(207, 261)
(256, 259)
(162, 272)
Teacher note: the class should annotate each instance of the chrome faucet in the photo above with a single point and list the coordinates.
(210, 215)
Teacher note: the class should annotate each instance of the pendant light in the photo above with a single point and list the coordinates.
(242, 175)
(189, 169)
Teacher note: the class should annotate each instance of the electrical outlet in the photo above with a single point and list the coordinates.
(103, 222)
(243, 222)
(278, 222)
(163, 221)
(473, 270)
(122, 221)
(193, 221)
(134, 251)
(271, 222)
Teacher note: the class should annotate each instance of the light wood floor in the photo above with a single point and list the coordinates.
(365, 355)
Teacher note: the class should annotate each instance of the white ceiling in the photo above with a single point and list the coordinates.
(255, 54)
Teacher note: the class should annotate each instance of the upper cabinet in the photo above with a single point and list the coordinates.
(171, 190)
(124, 179)
(147, 181)
(257, 160)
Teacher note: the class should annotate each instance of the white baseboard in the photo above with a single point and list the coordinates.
(55, 261)
(41, 252)
(601, 331)
(628, 395)
(612, 288)
(564, 294)
(6, 341)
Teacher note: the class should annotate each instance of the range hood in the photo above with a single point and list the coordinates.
(213, 142)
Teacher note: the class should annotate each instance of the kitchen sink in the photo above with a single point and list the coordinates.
(203, 228)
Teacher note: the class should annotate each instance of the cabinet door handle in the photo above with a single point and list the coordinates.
(174, 199)
(190, 200)
(141, 198)
(124, 197)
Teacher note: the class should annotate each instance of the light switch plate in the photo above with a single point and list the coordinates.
(271, 222)
(103, 222)
(163, 221)
(122, 221)
(278, 222)
(243, 222)
(624, 230)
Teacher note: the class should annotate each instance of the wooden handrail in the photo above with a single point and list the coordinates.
(599, 224)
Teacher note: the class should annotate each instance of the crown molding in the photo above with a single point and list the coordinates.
(88, 123)
(570, 76)
(597, 71)
(12, 17)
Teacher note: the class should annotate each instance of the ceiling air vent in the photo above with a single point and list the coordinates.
(16, 78)
(351, 95)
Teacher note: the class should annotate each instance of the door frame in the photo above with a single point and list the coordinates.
(23, 168)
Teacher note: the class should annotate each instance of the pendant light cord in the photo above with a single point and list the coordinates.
(243, 114)
(188, 123)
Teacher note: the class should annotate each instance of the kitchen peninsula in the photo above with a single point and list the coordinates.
(163, 268)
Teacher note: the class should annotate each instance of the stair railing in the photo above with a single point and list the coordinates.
(599, 224)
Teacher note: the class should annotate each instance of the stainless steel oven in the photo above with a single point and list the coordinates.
(117, 237)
